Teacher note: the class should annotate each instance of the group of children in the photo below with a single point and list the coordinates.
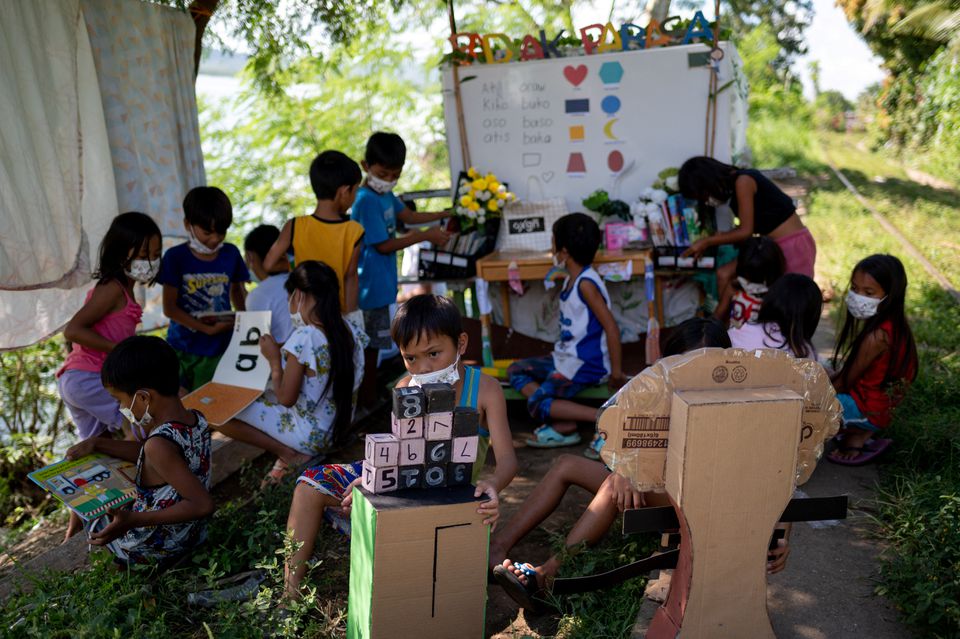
(320, 347)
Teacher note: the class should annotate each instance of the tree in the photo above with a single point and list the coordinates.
(278, 33)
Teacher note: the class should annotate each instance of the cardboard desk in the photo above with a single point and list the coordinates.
(418, 565)
(534, 266)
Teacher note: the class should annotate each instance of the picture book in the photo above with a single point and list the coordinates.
(89, 485)
(241, 375)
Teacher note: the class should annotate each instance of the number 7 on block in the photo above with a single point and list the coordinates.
(439, 426)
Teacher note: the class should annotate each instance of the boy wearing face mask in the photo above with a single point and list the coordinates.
(327, 235)
(172, 453)
(378, 209)
(428, 329)
(269, 294)
(588, 351)
(200, 277)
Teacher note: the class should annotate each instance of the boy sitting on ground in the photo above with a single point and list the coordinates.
(588, 351)
(172, 454)
(429, 332)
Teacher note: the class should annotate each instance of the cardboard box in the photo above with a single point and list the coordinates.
(730, 473)
(636, 421)
(418, 565)
(242, 374)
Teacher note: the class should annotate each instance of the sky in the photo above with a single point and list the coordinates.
(846, 63)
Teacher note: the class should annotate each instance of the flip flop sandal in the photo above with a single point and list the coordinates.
(546, 437)
(525, 594)
(276, 474)
(593, 450)
(871, 449)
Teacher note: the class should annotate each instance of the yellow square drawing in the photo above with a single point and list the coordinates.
(576, 132)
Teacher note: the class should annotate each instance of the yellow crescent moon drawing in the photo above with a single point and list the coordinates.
(608, 128)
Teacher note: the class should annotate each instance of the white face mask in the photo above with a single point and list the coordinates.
(861, 306)
(138, 426)
(380, 186)
(143, 271)
(449, 375)
(202, 248)
(296, 319)
(752, 288)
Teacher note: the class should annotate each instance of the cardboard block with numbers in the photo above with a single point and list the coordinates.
(432, 443)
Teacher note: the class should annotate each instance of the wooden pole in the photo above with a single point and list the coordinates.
(458, 98)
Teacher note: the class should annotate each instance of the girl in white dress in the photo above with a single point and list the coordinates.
(314, 377)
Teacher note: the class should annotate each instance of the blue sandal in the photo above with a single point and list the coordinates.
(546, 437)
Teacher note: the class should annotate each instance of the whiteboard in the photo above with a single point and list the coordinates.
(568, 126)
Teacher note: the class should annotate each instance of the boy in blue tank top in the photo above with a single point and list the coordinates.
(429, 331)
(588, 351)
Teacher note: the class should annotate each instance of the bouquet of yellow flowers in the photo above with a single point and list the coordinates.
(480, 197)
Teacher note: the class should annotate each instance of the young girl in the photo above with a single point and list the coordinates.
(787, 320)
(879, 357)
(129, 253)
(314, 377)
(762, 207)
(759, 264)
(172, 454)
(429, 332)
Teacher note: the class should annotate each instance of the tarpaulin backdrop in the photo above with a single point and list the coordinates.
(98, 115)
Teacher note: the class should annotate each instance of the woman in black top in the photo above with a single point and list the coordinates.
(762, 207)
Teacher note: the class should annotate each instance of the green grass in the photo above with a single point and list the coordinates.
(106, 602)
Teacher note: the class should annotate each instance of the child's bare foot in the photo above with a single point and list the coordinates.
(497, 554)
(283, 467)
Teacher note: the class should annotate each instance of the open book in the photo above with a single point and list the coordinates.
(242, 374)
(89, 485)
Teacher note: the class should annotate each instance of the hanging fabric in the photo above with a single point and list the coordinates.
(144, 57)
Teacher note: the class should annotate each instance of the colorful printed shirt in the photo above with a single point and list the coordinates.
(306, 426)
(202, 286)
(167, 542)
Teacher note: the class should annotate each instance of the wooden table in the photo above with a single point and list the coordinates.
(535, 266)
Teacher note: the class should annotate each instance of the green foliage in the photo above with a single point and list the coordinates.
(32, 417)
(831, 108)
(606, 614)
(106, 602)
(335, 102)
(776, 141)
(774, 92)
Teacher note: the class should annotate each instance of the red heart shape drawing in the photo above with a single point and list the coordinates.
(575, 75)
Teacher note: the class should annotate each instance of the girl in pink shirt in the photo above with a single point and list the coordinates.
(129, 253)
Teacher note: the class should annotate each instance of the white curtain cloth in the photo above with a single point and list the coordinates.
(136, 119)
(41, 176)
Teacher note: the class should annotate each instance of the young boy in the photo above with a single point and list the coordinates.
(378, 210)
(588, 351)
(430, 335)
(202, 275)
(172, 454)
(327, 235)
(269, 295)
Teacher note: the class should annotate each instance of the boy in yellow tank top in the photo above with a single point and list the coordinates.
(328, 235)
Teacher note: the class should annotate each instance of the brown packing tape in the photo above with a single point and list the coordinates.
(636, 420)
